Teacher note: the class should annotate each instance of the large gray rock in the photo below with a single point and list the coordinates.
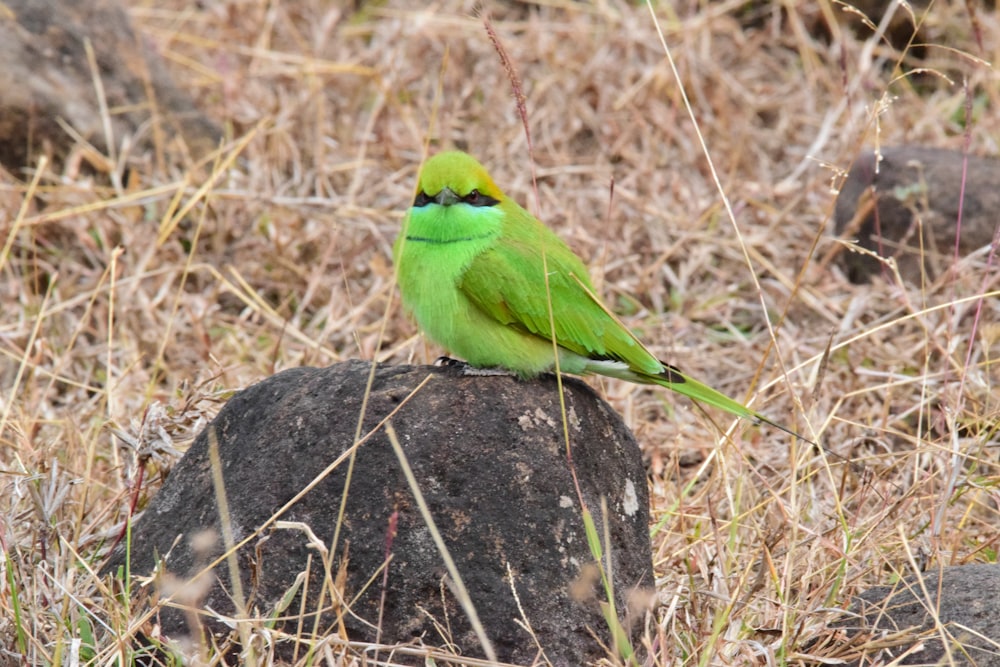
(881, 207)
(946, 617)
(489, 456)
(46, 79)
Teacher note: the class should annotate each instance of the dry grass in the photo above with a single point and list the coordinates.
(111, 304)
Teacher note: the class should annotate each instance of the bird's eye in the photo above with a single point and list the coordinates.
(421, 199)
(477, 198)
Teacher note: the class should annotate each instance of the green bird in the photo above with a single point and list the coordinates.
(471, 265)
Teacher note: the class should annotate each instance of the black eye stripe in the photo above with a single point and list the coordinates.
(474, 198)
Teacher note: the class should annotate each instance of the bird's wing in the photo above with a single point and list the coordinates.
(507, 282)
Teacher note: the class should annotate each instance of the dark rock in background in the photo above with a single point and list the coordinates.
(882, 209)
(46, 78)
(489, 456)
(959, 604)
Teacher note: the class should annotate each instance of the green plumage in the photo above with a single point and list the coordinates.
(471, 267)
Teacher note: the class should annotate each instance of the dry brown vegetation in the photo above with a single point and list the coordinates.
(161, 292)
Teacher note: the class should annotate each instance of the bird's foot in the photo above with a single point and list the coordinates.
(468, 370)
(448, 362)
(488, 372)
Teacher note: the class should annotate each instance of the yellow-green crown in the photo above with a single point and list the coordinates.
(459, 172)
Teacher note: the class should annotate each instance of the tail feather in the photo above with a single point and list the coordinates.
(673, 379)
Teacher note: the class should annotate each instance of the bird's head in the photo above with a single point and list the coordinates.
(455, 177)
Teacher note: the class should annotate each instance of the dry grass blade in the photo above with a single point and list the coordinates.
(455, 583)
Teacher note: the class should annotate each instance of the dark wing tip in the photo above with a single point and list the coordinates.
(672, 374)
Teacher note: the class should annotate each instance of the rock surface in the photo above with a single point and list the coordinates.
(881, 209)
(47, 79)
(489, 457)
(957, 608)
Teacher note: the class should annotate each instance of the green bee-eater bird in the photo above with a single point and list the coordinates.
(471, 267)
